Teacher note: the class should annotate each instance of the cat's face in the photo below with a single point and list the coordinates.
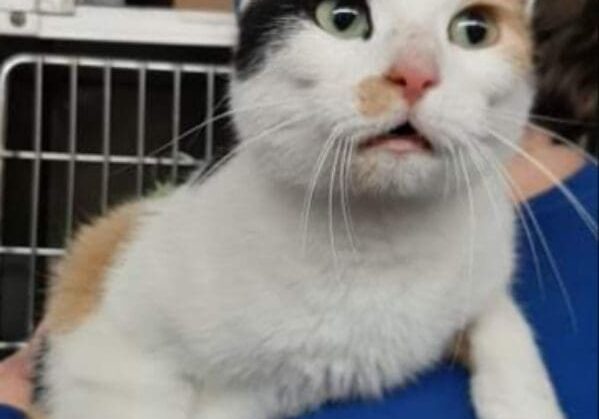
(405, 93)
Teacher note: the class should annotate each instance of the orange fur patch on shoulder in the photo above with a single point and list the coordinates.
(78, 281)
(376, 96)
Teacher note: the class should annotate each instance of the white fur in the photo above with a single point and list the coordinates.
(216, 311)
(510, 381)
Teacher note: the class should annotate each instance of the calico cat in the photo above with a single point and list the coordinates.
(359, 230)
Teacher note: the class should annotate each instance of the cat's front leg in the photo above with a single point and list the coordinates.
(509, 379)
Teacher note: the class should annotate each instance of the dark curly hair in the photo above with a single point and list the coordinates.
(568, 67)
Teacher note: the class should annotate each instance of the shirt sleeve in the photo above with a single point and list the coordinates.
(7, 412)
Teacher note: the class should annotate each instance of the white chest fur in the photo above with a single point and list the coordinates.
(240, 301)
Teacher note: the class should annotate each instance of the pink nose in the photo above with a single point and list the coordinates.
(415, 81)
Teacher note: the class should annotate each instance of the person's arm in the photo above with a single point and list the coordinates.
(15, 385)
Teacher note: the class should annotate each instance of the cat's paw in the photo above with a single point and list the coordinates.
(494, 399)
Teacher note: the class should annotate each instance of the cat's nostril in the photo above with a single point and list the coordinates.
(428, 84)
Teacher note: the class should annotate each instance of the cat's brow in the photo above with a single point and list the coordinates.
(514, 8)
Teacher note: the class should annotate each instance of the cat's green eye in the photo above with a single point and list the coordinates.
(474, 28)
(342, 18)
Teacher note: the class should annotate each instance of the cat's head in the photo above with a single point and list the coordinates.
(404, 93)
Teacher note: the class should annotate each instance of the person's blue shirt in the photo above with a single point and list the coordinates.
(7, 412)
(568, 340)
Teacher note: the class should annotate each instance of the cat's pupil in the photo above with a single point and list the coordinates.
(476, 33)
(476, 30)
(343, 18)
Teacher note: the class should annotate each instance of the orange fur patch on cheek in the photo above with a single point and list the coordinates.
(78, 282)
(517, 41)
(376, 96)
(516, 34)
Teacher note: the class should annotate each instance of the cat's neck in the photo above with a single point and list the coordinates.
(367, 212)
(276, 217)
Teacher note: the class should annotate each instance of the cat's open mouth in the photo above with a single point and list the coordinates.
(401, 140)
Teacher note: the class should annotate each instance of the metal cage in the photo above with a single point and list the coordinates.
(79, 134)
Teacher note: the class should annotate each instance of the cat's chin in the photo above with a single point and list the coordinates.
(415, 171)
(400, 162)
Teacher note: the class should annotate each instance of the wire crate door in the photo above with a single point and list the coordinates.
(18, 5)
(56, 6)
(79, 135)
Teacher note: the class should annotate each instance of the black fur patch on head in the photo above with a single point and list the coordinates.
(264, 24)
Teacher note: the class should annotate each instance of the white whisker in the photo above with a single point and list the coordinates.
(493, 162)
(455, 158)
(456, 172)
(200, 176)
(547, 118)
(473, 221)
(545, 245)
(331, 205)
(209, 121)
(578, 207)
(344, 176)
(577, 148)
(320, 162)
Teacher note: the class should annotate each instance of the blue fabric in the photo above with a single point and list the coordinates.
(570, 351)
(7, 412)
